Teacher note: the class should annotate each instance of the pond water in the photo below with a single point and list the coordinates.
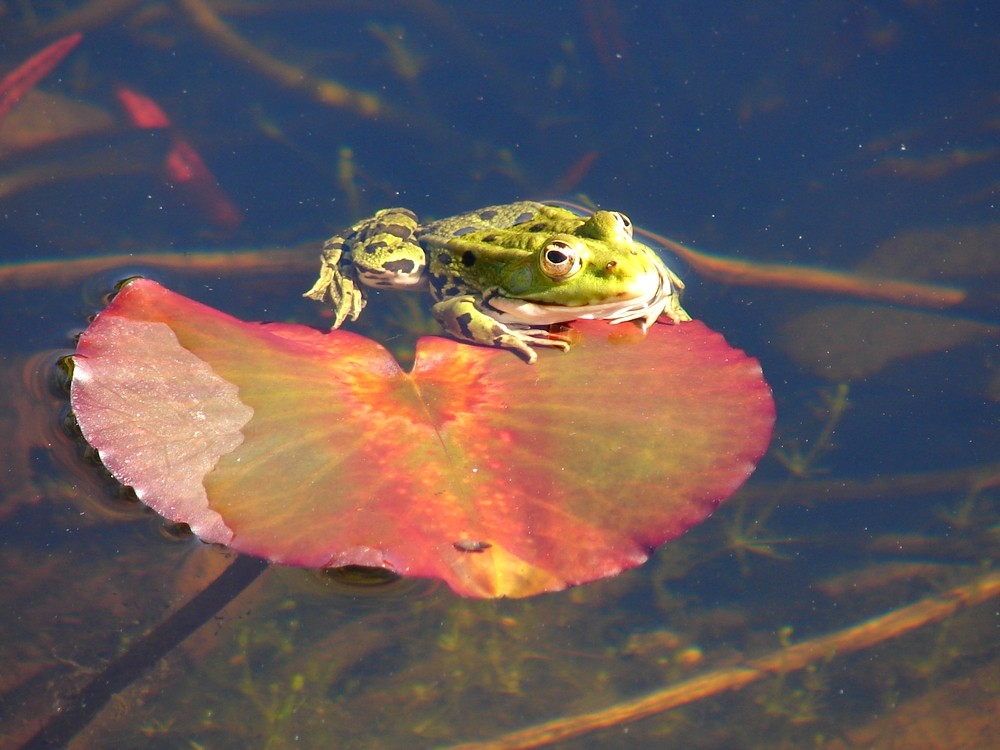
(845, 597)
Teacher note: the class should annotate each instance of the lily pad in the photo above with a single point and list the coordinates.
(501, 478)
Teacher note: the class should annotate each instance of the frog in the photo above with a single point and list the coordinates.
(505, 276)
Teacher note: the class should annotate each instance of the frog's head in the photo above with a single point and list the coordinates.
(595, 271)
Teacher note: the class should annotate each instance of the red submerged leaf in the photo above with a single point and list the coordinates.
(502, 479)
(142, 111)
(23, 78)
(183, 166)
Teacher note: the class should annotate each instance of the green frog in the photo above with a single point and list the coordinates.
(502, 275)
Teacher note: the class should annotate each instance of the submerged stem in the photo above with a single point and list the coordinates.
(796, 656)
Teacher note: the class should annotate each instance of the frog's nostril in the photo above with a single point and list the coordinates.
(611, 266)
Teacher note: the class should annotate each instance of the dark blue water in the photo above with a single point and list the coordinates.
(809, 134)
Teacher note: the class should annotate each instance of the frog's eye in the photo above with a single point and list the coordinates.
(625, 223)
(559, 260)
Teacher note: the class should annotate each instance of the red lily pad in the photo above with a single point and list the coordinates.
(501, 478)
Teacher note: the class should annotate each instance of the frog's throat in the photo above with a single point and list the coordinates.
(647, 306)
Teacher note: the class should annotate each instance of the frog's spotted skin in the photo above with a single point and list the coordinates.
(501, 275)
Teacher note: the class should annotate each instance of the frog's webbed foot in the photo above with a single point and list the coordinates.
(338, 284)
(465, 320)
(521, 338)
(672, 305)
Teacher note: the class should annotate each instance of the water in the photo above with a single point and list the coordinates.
(816, 135)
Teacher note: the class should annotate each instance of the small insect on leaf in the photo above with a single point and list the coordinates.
(471, 545)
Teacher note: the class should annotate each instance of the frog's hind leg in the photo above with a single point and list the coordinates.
(337, 284)
(463, 318)
(385, 252)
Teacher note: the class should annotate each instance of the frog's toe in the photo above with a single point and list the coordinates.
(340, 292)
(524, 340)
(347, 302)
(524, 351)
(321, 288)
(502, 337)
(561, 344)
(342, 314)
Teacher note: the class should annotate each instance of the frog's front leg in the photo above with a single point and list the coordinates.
(463, 318)
(337, 284)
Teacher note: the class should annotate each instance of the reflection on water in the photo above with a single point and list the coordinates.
(845, 137)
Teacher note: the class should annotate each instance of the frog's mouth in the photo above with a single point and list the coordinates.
(647, 304)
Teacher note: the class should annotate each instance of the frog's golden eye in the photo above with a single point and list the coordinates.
(560, 260)
(625, 223)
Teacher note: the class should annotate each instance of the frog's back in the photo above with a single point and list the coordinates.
(496, 217)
